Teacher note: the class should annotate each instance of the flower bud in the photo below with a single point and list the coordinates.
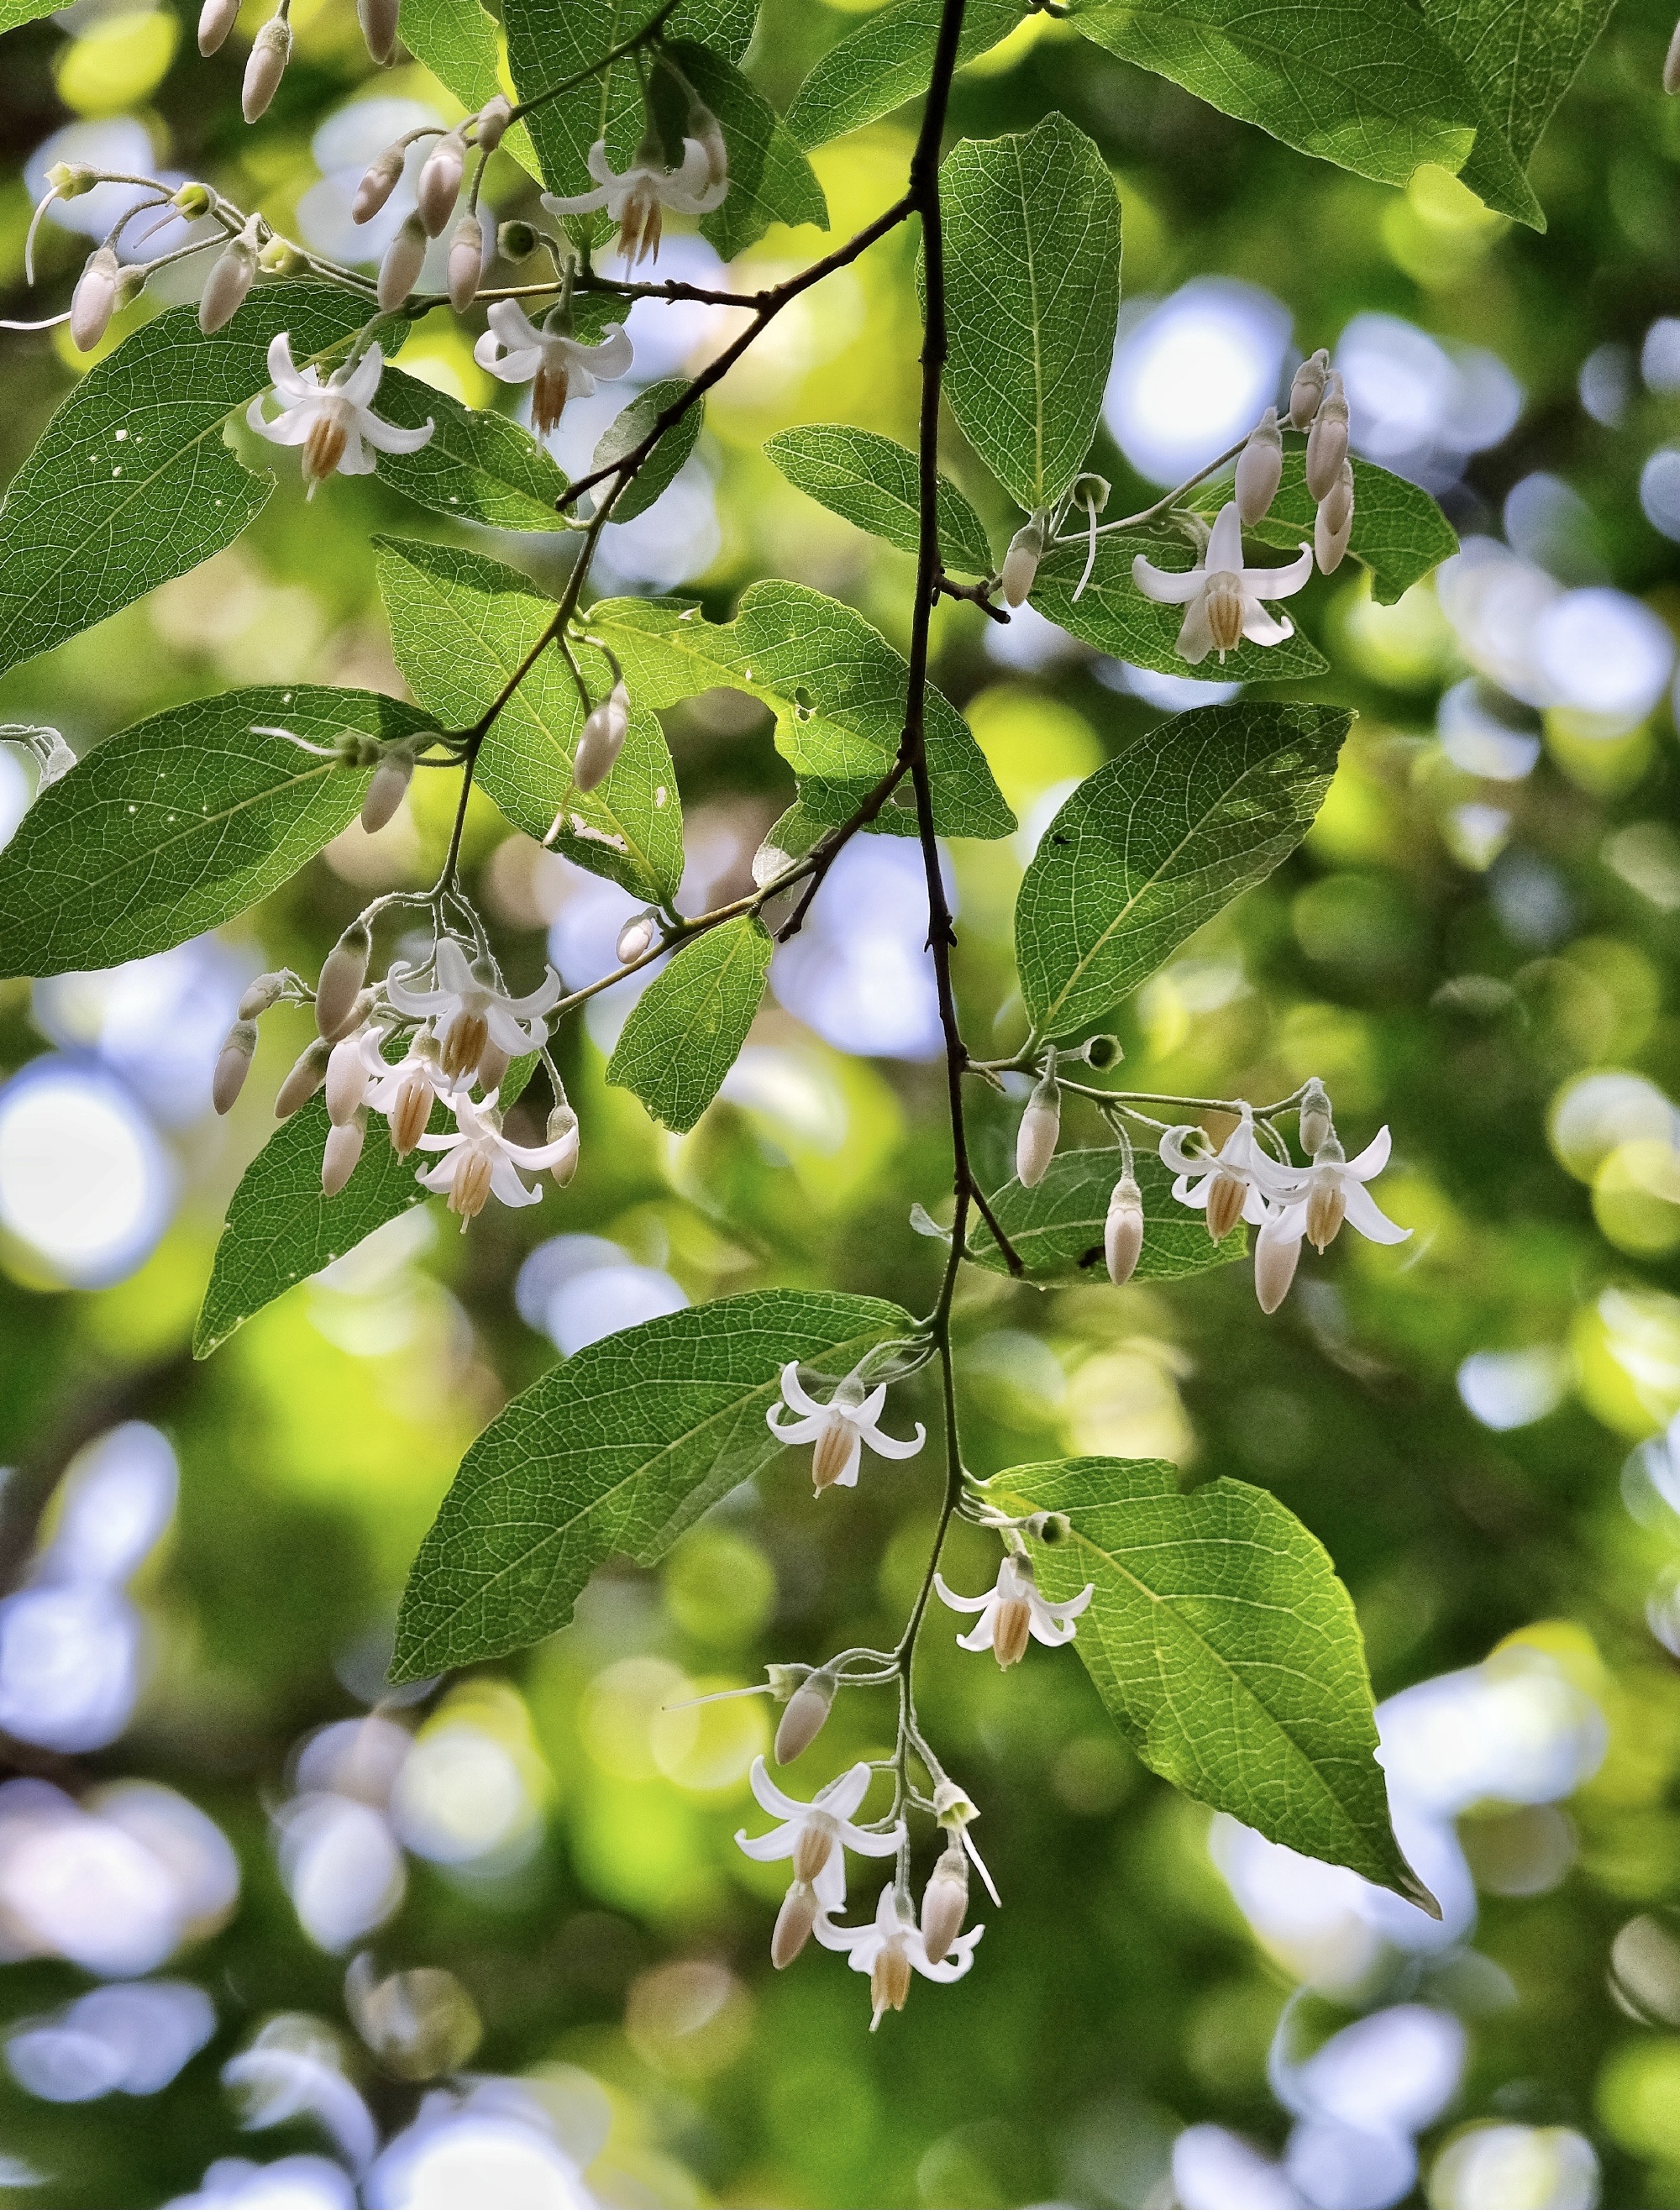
(1308, 389)
(1333, 526)
(378, 21)
(1036, 1139)
(232, 277)
(344, 1149)
(347, 1079)
(1316, 1121)
(193, 201)
(94, 299)
(1671, 66)
(515, 241)
(807, 1711)
(439, 185)
(563, 1121)
(1326, 442)
(399, 271)
(1020, 562)
(602, 740)
(259, 995)
(216, 18)
(945, 1903)
(1123, 1233)
(305, 1079)
(466, 262)
(266, 67)
(391, 778)
(280, 257)
(491, 122)
(1276, 1258)
(793, 1922)
(410, 1113)
(638, 935)
(234, 1064)
(69, 180)
(1260, 469)
(341, 978)
(378, 182)
(492, 1066)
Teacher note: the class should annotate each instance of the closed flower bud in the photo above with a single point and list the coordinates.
(234, 273)
(1671, 66)
(945, 1903)
(602, 740)
(410, 1113)
(1123, 1234)
(439, 185)
(399, 271)
(347, 1079)
(216, 18)
(637, 936)
(344, 1149)
(793, 1922)
(491, 122)
(1333, 526)
(1020, 562)
(391, 778)
(1326, 442)
(341, 978)
(515, 241)
(492, 1066)
(466, 262)
(266, 67)
(305, 1079)
(563, 1121)
(1276, 1258)
(1316, 1122)
(378, 21)
(379, 183)
(260, 995)
(1036, 1139)
(94, 299)
(1260, 469)
(807, 1711)
(1308, 389)
(234, 1064)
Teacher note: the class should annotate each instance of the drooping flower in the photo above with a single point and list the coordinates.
(479, 1163)
(1012, 1609)
(637, 199)
(469, 1011)
(1226, 1182)
(1221, 598)
(404, 1092)
(335, 421)
(554, 364)
(889, 1946)
(1314, 1201)
(816, 1835)
(839, 1428)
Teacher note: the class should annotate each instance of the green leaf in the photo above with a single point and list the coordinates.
(1032, 298)
(462, 45)
(13, 14)
(1226, 1651)
(181, 823)
(132, 482)
(626, 431)
(614, 1453)
(280, 1228)
(686, 1030)
(1157, 841)
(835, 684)
(872, 481)
(1056, 1226)
(885, 61)
(1522, 56)
(770, 180)
(461, 628)
(475, 467)
(1398, 531)
(549, 40)
(1364, 83)
(1113, 614)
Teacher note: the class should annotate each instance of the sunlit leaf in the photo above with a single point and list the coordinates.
(885, 61)
(872, 481)
(770, 180)
(460, 45)
(626, 431)
(475, 466)
(1522, 56)
(1056, 1226)
(686, 1030)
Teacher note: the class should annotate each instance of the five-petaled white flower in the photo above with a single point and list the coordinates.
(552, 363)
(816, 1835)
(888, 1946)
(1227, 1183)
(839, 1428)
(637, 199)
(334, 421)
(1314, 1201)
(1221, 598)
(469, 1011)
(1012, 1609)
(479, 1161)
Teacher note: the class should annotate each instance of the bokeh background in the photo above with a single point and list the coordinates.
(219, 1837)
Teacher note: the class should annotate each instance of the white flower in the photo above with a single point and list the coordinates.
(1012, 1609)
(1314, 1201)
(816, 1835)
(1226, 1182)
(468, 1009)
(839, 1428)
(888, 1947)
(554, 364)
(1221, 597)
(635, 201)
(479, 1163)
(331, 420)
